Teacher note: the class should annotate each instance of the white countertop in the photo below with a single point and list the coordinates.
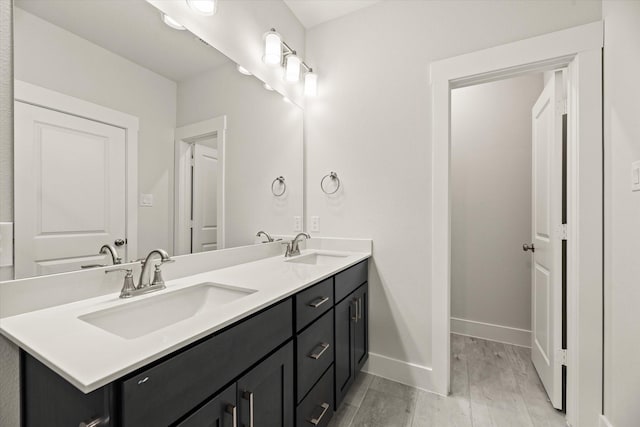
(89, 357)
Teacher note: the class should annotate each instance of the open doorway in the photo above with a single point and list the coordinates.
(506, 196)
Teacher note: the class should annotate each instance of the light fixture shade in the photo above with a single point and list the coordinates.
(203, 7)
(272, 48)
(292, 70)
(310, 84)
(172, 22)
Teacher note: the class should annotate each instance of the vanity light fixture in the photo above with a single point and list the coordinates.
(203, 7)
(243, 70)
(172, 22)
(278, 52)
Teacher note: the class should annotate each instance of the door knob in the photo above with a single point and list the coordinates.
(528, 247)
(119, 242)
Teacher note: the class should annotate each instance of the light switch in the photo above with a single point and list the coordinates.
(297, 223)
(635, 176)
(146, 200)
(315, 223)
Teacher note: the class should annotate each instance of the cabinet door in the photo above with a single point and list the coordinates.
(361, 335)
(265, 394)
(221, 411)
(345, 314)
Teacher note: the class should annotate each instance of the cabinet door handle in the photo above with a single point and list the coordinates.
(324, 346)
(233, 411)
(355, 310)
(96, 422)
(318, 302)
(247, 395)
(360, 308)
(316, 421)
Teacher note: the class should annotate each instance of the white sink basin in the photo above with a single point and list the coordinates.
(318, 259)
(139, 318)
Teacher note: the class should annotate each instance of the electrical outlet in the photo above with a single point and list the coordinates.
(297, 223)
(315, 223)
(635, 176)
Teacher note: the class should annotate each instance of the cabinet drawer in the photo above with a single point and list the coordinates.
(162, 394)
(317, 408)
(315, 352)
(220, 411)
(350, 279)
(313, 302)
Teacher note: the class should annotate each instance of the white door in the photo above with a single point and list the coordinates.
(546, 301)
(69, 190)
(205, 199)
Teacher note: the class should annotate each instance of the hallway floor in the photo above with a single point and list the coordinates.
(493, 384)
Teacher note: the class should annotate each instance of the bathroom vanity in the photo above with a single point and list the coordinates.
(280, 354)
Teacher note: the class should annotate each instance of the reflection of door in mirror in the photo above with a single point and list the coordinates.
(70, 196)
(199, 186)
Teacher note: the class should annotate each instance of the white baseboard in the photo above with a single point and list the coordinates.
(604, 422)
(411, 374)
(491, 332)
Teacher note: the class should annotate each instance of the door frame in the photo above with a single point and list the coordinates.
(39, 96)
(580, 50)
(182, 183)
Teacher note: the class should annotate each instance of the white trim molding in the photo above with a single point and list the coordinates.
(52, 100)
(580, 50)
(491, 332)
(411, 374)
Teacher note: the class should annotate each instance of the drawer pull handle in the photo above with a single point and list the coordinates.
(324, 346)
(316, 421)
(233, 411)
(142, 381)
(247, 395)
(318, 302)
(360, 308)
(355, 311)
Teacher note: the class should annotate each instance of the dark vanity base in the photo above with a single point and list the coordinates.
(287, 365)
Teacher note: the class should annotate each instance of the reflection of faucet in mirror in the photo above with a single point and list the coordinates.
(292, 248)
(265, 234)
(109, 249)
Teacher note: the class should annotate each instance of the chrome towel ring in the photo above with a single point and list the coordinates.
(334, 177)
(279, 179)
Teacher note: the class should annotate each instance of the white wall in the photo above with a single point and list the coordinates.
(51, 57)
(263, 141)
(491, 205)
(622, 212)
(371, 124)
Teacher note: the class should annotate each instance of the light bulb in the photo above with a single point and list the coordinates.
(272, 48)
(203, 7)
(310, 84)
(292, 70)
(267, 87)
(172, 22)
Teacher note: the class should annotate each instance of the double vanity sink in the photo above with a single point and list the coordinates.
(106, 346)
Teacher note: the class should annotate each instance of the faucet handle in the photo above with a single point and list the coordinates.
(157, 276)
(128, 286)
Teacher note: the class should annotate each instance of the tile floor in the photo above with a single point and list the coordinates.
(493, 385)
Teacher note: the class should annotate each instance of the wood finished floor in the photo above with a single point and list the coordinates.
(492, 385)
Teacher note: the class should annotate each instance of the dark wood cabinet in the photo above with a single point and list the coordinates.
(265, 394)
(351, 340)
(279, 367)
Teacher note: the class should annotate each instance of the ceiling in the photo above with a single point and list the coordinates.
(133, 30)
(314, 12)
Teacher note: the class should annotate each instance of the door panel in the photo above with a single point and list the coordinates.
(205, 205)
(546, 286)
(344, 357)
(70, 190)
(361, 334)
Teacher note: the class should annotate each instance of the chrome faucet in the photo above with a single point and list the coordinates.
(129, 289)
(144, 280)
(265, 234)
(110, 250)
(292, 247)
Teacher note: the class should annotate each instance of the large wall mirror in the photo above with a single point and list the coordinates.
(135, 134)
